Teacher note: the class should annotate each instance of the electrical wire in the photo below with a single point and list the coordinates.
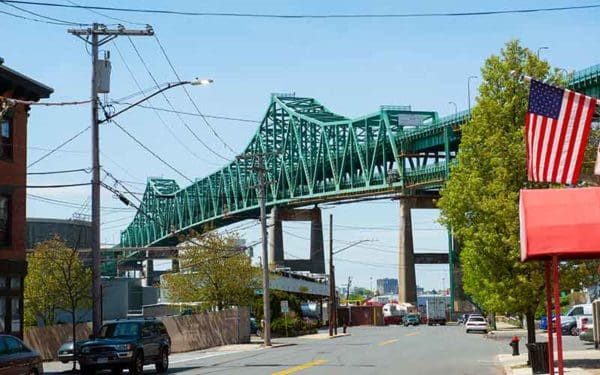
(107, 16)
(30, 19)
(187, 93)
(216, 117)
(86, 170)
(57, 147)
(314, 16)
(162, 121)
(48, 104)
(171, 104)
(57, 186)
(150, 151)
(64, 22)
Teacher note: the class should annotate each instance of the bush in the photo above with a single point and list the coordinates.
(295, 326)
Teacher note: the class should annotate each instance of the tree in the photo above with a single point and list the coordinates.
(56, 280)
(480, 199)
(214, 272)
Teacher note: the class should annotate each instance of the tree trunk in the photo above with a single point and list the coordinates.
(530, 318)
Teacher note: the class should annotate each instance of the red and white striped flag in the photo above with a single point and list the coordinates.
(557, 127)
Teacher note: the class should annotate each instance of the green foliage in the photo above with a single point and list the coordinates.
(295, 326)
(276, 296)
(214, 272)
(480, 200)
(56, 279)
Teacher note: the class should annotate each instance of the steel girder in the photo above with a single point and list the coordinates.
(318, 156)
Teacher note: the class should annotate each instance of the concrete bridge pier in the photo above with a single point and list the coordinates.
(407, 282)
(316, 262)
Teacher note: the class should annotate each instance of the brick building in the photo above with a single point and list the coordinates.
(13, 178)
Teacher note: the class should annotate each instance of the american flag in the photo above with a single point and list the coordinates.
(557, 127)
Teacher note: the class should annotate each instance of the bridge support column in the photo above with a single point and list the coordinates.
(276, 255)
(407, 281)
(149, 270)
(461, 304)
(316, 262)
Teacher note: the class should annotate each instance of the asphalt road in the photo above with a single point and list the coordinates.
(369, 350)
(445, 350)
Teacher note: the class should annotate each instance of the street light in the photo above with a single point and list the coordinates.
(455, 108)
(539, 49)
(469, 92)
(194, 82)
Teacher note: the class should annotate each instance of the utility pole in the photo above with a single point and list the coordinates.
(262, 198)
(332, 305)
(97, 30)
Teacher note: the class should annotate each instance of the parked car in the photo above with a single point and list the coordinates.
(411, 320)
(65, 352)
(16, 358)
(569, 327)
(131, 344)
(253, 326)
(476, 323)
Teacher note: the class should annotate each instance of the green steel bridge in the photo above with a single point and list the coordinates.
(313, 155)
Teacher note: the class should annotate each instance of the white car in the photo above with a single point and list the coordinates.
(476, 323)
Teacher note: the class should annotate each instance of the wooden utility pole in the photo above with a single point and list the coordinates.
(95, 32)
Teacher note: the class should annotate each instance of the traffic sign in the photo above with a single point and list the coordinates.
(284, 307)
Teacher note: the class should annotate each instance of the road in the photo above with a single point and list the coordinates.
(368, 350)
(445, 350)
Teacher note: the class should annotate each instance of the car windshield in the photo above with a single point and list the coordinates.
(115, 330)
(476, 319)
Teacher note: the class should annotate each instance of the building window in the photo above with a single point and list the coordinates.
(15, 283)
(4, 220)
(16, 314)
(6, 139)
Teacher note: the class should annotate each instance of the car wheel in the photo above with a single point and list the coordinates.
(574, 331)
(137, 365)
(65, 362)
(88, 370)
(33, 371)
(163, 362)
(116, 370)
(468, 331)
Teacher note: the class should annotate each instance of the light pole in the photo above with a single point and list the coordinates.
(371, 284)
(539, 49)
(469, 92)
(444, 285)
(455, 108)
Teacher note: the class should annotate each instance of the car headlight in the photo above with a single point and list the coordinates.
(123, 347)
(85, 349)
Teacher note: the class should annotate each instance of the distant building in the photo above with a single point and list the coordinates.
(13, 180)
(420, 290)
(387, 286)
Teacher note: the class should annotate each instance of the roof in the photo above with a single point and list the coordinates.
(25, 87)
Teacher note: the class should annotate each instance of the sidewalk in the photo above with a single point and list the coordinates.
(576, 362)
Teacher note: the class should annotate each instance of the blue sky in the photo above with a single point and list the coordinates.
(351, 66)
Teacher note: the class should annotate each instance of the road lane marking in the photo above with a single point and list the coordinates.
(292, 370)
(412, 334)
(387, 342)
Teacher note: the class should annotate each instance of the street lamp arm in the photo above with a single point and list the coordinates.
(196, 82)
(349, 246)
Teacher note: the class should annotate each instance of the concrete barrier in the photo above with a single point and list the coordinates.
(190, 332)
(47, 340)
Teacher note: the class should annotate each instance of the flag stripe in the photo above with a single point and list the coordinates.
(575, 141)
(542, 129)
(560, 140)
(591, 108)
(529, 131)
(572, 129)
(552, 124)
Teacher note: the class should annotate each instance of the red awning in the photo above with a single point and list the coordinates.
(562, 222)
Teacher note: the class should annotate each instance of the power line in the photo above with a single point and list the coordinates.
(86, 170)
(30, 18)
(150, 151)
(216, 117)
(162, 121)
(58, 147)
(56, 20)
(109, 17)
(56, 186)
(164, 52)
(313, 16)
(171, 104)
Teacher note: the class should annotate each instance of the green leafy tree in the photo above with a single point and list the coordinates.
(480, 200)
(56, 280)
(213, 272)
